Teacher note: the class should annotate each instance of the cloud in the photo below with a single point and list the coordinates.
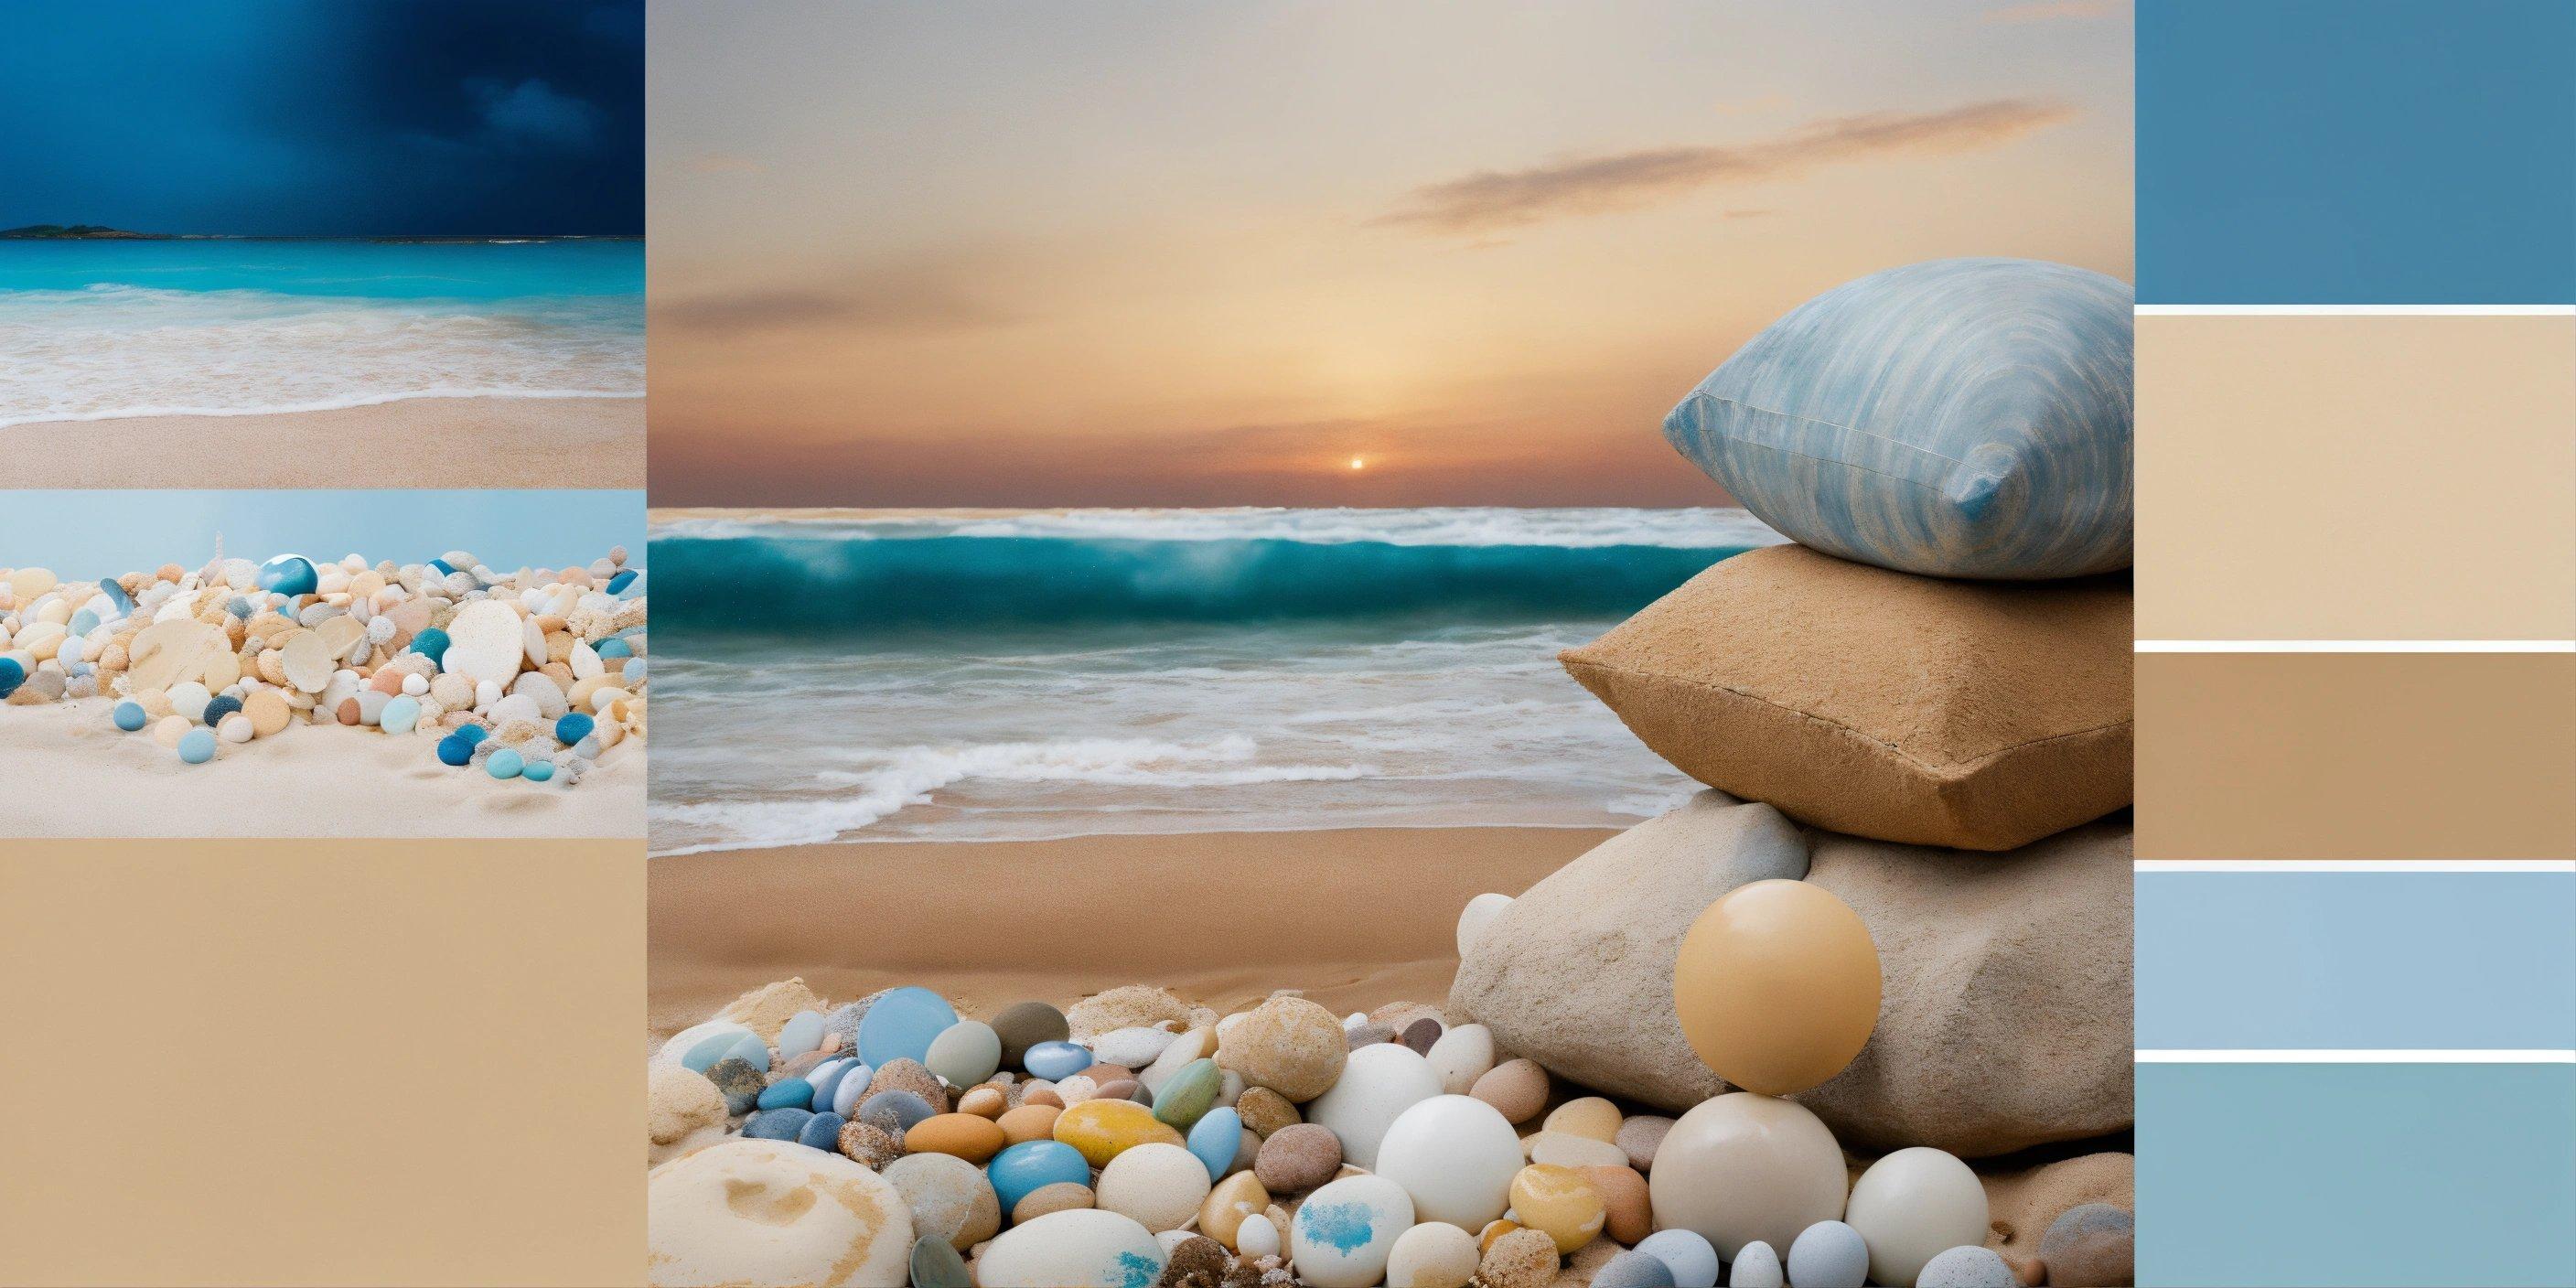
(1497, 199)
(533, 113)
(2054, 11)
(930, 295)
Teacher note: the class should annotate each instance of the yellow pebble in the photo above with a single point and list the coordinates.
(1591, 1116)
(1560, 1202)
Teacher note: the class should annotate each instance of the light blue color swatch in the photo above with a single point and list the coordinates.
(2356, 152)
(2256, 1175)
(2356, 960)
(104, 533)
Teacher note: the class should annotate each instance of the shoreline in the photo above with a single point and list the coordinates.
(481, 442)
(1352, 917)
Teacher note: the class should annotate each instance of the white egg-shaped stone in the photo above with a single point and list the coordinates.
(1378, 1083)
(1343, 1233)
(1913, 1205)
(1159, 1186)
(1460, 1056)
(1456, 1156)
(682, 1041)
(1432, 1255)
(965, 1053)
(1479, 913)
(486, 643)
(1690, 1258)
(1756, 1266)
(1257, 1237)
(1078, 1248)
(1741, 1168)
(801, 1033)
(774, 1212)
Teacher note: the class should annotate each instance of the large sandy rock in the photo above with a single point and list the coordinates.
(2004, 1019)
(1577, 973)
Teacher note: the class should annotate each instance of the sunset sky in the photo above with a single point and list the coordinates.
(1155, 254)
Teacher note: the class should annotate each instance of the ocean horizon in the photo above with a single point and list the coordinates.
(986, 675)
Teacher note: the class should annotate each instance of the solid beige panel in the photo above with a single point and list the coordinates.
(334, 1062)
(2356, 756)
(2324, 477)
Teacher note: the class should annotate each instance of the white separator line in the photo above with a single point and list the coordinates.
(2298, 1056)
(2354, 865)
(2356, 646)
(2360, 310)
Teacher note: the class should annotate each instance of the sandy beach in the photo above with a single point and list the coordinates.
(474, 442)
(95, 780)
(1354, 918)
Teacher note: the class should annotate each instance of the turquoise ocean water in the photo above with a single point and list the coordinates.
(99, 330)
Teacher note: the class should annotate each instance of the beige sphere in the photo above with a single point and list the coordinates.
(1741, 1168)
(1777, 986)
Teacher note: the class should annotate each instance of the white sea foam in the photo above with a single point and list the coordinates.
(1570, 527)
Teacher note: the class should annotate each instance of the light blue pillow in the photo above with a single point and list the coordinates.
(1959, 418)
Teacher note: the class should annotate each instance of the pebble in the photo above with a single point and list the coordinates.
(803, 1032)
(1628, 1208)
(1559, 1201)
(1018, 1171)
(197, 746)
(821, 1131)
(1063, 1196)
(895, 1112)
(1741, 1168)
(1378, 1083)
(1298, 1158)
(1103, 1129)
(1518, 1259)
(1516, 1087)
(1912, 1204)
(1230, 1202)
(1217, 1140)
(776, 1124)
(965, 1053)
(1829, 1254)
(1432, 1255)
(1591, 1116)
(964, 1136)
(1027, 1123)
(850, 1087)
(909, 1075)
(749, 1049)
(1756, 1266)
(2090, 1245)
(1257, 1237)
(1565, 1149)
(1478, 914)
(1342, 1235)
(1159, 1186)
(1133, 1047)
(130, 716)
(1023, 1025)
(937, 1265)
(869, 1145)
(1085, 1247)
(1288, 1044)
(1691, 1260)
(949, 1199)
(1456, 1157)
(788, 1092)
(1967, 1266)
(984, 1101)
(1188, 1094)
(1633, 1270)
(1180, 1053)
(1639, 1136)
(1266, 1111)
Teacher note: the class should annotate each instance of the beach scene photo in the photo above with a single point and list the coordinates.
(416, 263)
(1421, 649)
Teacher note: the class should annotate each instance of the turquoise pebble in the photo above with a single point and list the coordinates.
(197, 746)
(116, 594)
(573, 727)
(618, 583)
(786, 1093)
(442, 566)
(1055, 1061)
(776, 1124)
(537, 771)
(822, 1131)
(431, 644)
(751, 1051)
(612, 648)
(472, 733)
(902, 1024)
(703, 1056)
(504, 763)
(11, 676)
(130, 716)
(634, 669)
(1214, 1139)
(1031, 1165)
(401, 712)
(455, 750)
(238, 606)
(288, 575)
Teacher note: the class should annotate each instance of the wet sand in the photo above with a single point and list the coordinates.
(413, 443)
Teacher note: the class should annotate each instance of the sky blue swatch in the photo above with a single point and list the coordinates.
(2356, 152)
(2360, 960)
(105, 533)
(2256, 1175)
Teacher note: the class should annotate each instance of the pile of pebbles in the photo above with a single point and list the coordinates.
(1140, 1141)
(529, 674)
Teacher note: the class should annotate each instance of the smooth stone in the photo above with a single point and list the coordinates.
(1183, 1051)
(288, 575)
(1231, 1202)
(1462, 1055)
(703, 1055)
(487, 643)
(1592, 1116)
(1560, 1201)
(400, 715)
(12, 674)
(1133, 1047)
(1967, 1266)
(895, 1112)
(937, 1265)
(1083, 1248)
(1288, 1044)
(964, 1136)
(826, 1078)
(573, 727)
(749, 1049)
(791, 1092)
(901, 1025)
(802, 1033)
(1742, 1169)
(986, 1100)
(766, 1212)
(217, 708)
(1757, 1266)
(197, 746)
(430, 643)
(965, 1053)
(1421, 1035)
(1378, 1083)
(852, 1088)
(1018, 1171)
(130, 716)
(1217, 1138)
(1476, 916)
(1023, 1025)
(948, 1197)
(1910, 1206)
(1028, 1122)
(1055, 1061)
(1829, 1254)
(189, 701)
(504, 764)
(1627, 1205)
(1456, 1156)
(1103, 1129)
(1189, 1094)
(1159, 1186)
(1432, 1255)
(538, 771)
(1691, 1259)
(777, 1123)
(1565, 1149)
(2090, 1245)
(1063, 1196)
(1297, 1158)
(1634, 1270)
(1258, 1237)
(1341, 1236)
(822, 1131)
(1640, 1136)
(1517, 1088)
(677, 1048)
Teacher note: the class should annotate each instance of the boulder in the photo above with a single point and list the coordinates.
(1577, 973)
(2004, 1019)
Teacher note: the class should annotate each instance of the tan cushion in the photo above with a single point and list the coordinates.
(1979, 715)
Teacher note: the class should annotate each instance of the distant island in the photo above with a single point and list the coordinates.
(78, 232)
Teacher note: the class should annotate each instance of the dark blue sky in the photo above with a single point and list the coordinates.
(325, 117)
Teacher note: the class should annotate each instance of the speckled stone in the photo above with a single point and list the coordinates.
(1297, 1158)
(912, 1076)
(895, 1112)
(2090, 1245)
(1640, 1136)
(843, 1020)
(1133, 1006)
(1266, 1111)
(1519, 1259)
(1288, 1044)
(1518, 1088)
(949, 1197)
(1063, 1196)
(740, 1083)
(1197, 1262)
(870, 1146)
(1967, 1267)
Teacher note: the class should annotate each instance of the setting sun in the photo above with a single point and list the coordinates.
(1358, 463)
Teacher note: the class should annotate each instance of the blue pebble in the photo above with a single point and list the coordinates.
(130, 716)
(703, 1056)
(401, 714)
(1055, 1061)
(453, 750)
(116, 595)
(1031, 1165)
(1214, 1138)
(238, 606)
(472, 733)
(623, 578)
(504, 763)
(613, 647)
(289, 575)
(896, 1111)
(442, 566)
(854, 1084)
(749, 1049)
(219, 707)
(823, 1132)
(776, 1124)
(901, 1025)
(83, 622)
(826, 1078)
(573, 727)
(537, 771)
(431, 644)
(11, 676)
(633, 670)
(197, 746)
(786, 1093)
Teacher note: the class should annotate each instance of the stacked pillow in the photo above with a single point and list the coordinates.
(1945, 657)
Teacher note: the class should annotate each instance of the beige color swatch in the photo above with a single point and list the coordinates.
(2356, 477)
(2356, 756)
(322, 1062)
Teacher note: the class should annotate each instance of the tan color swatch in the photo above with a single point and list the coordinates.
(2356, 477)
(340, 1062)
(2356, 756)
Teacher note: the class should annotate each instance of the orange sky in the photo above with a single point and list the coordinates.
(1150, 254)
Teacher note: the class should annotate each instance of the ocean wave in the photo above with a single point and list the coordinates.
(1700, 528)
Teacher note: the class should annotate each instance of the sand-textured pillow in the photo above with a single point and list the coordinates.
(1975, 715)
